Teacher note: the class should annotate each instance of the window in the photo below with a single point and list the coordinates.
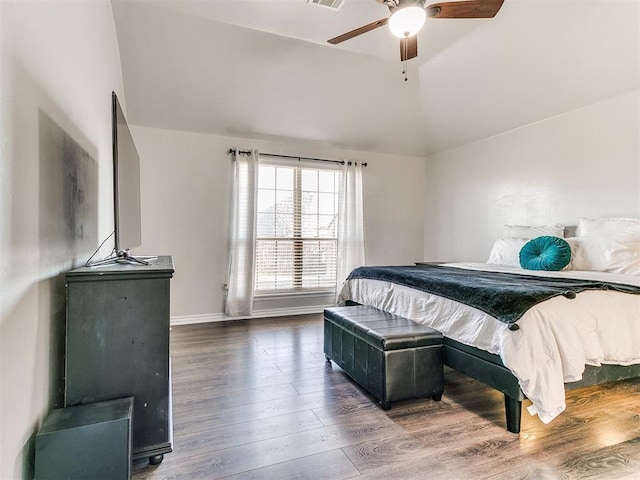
(296, 231)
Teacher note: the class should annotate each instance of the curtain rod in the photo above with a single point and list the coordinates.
(248, 152)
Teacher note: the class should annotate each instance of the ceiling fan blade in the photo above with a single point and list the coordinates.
(465, 9)
(408, 48)
(358, 31)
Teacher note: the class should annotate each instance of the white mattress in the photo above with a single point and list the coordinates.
(556, 339)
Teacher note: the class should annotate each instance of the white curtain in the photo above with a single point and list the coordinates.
(242, 235)
(350, 223)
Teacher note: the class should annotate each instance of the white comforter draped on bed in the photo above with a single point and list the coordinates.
(556, 339)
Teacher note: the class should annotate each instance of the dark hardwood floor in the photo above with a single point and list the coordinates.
(256, 400)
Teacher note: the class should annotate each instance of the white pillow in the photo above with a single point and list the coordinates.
(573, 243)
(609, 227)
(533, 231)
(506, 251)
(603, 254)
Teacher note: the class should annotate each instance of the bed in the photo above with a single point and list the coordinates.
(562, 342)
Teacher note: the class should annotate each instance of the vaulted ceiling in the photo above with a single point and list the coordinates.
(263, 69)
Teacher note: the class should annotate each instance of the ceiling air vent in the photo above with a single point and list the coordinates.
(332, 4)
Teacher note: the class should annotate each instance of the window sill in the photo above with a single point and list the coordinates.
(295, 294)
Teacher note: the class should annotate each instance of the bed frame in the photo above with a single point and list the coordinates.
(489, 369)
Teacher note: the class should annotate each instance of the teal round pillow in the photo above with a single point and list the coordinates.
(545, 253)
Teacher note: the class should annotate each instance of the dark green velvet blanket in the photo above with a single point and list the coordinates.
(504, 296)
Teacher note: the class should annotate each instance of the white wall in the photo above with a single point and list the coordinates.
(186, 188)
(59, 64)
(585, 163)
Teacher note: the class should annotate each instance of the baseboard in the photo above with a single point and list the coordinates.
(223, 317)
(193, 319)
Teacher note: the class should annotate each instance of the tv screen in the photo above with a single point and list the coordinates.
(126, 184)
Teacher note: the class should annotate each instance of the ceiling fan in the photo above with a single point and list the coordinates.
(408, 16)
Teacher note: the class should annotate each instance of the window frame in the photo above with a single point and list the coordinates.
(298, 289)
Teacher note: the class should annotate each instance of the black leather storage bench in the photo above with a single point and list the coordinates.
(392, 357)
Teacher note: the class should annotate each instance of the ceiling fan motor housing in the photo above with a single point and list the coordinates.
(395, 4)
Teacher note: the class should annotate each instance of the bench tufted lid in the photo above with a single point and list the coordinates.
(383, 330)
(348, 319)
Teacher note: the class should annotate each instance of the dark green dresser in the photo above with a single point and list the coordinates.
(117, 345)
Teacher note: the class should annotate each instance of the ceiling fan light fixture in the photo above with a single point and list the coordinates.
(407, 21)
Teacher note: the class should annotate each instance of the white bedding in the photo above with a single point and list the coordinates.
(556, 339)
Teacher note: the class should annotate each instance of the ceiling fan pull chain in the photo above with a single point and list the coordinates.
(404, 56)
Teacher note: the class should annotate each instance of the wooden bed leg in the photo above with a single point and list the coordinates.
(513, 409)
